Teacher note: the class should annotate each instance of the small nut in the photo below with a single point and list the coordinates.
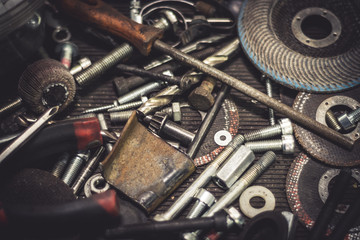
(345, 122)
(176, 111)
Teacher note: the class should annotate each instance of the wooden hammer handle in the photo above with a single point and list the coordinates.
(103, 16)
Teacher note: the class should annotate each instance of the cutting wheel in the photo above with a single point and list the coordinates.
(316, 106)
(310, 45)
(303, 190)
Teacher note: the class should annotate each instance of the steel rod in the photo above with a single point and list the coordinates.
(294, 115)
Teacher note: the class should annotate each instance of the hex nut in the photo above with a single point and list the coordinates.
(286, 126)
(234, 167)
(288, 145)
(235, 217)
(345, 122)
(176, 111)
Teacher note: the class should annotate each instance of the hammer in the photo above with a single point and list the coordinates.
(145, 38)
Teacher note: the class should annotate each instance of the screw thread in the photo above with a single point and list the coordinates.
(263, 133)
(74, 167)
(263, 146)
(60, 165)
(354, 116)
(100, 67)
(126, 106)
(98, 109)
(259, 167)
(332, 120)
(269, 92)
(12, 105)
(120, 116)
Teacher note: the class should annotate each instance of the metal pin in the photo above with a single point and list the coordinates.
(28, 133)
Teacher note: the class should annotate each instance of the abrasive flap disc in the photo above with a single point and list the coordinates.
(307, 187)
(309, 45)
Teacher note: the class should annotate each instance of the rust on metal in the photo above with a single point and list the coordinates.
(105, 17)
(144, 167)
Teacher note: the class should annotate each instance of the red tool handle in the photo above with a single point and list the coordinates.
(109, 19)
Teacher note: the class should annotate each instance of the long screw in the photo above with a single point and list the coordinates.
(130, 96)
(235, 191)
(103, 126)
(60, 165)
(16, 103)
(98, 68)
(204, 199)
(116, 117)
(300, 118)
(283, 128)
(74, 166)
(87, 170)
(129, 105)
(200, 182)
(269, 92)
(285, 144)
(332, 120)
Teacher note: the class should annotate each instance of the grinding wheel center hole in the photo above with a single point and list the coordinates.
(316, 27)
(257, 202)
(54, 96)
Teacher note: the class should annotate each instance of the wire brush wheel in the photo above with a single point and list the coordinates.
(46, 83)
(308, 45)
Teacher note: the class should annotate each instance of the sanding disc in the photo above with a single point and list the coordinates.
(303, 193)
(316, 106)
(310, 45)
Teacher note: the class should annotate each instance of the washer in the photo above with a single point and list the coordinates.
(256, 191)
(222, 138)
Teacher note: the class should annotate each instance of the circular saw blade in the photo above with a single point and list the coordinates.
(302, 191)
(268, 39)
(319, 148)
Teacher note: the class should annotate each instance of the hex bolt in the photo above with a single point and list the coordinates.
(223, 220)
(86, 172)
(104, 126)
(67, 51)
(284, 127)
(204, 200)
(332, 120)
(59, 167)
(129, 105)
(234, 167)
(269, 92)
(120, 53)
(201, 181)
(161, 125)
(201, 97)
(131, 96)
(285, 144)
(82, 64)
(348, 121)
(74, 166)
(116, 117)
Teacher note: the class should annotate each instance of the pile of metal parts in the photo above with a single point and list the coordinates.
(179, 119)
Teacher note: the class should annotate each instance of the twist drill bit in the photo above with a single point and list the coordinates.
(161, 99)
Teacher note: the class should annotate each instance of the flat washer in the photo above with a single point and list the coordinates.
(256, 191)
(222, 138)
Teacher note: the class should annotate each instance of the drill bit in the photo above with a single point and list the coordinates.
(161, 99)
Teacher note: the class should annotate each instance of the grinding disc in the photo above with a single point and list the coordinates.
(316, 106)
(302, 191)
(311, 45)
(227, 119)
